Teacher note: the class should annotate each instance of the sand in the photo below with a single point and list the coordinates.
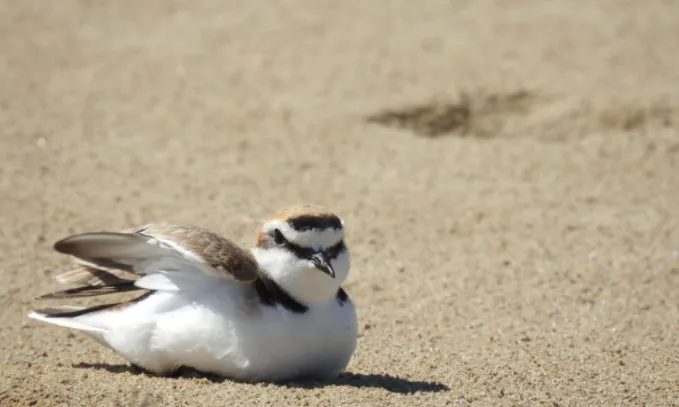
(507, 171)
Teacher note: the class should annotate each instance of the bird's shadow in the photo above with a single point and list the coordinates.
(387, 382)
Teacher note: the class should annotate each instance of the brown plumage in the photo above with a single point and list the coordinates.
(217, 251)
(108, 258)
(111, 262)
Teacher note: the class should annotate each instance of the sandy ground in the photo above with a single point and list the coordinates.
(508, 172)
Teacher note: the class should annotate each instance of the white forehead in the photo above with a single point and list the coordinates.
(312, 238)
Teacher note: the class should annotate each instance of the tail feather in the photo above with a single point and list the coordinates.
(91, 291)
(67, 315)
(66, 311)
(52, 316)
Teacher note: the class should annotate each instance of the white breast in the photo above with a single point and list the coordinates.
(227, 332)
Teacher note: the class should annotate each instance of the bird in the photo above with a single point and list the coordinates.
(273, 312)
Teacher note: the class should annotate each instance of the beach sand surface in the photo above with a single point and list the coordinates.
(507, 172)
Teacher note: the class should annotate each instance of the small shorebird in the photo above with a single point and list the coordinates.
(274, 312)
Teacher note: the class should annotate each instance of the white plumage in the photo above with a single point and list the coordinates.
(276, 312)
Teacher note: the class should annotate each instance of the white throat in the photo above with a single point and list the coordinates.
(299, 278)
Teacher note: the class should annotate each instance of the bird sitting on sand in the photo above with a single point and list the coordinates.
(275, 312)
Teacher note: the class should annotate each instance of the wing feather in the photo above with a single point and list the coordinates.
(90, 274)
(156, 257)
(222, 255)
(156, 248)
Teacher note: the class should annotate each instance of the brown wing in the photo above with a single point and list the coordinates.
(220, 253)
(152, 257)
(105, 257)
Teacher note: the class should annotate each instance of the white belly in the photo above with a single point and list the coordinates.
(239, 340)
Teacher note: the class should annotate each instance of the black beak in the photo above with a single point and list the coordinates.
(322, 262)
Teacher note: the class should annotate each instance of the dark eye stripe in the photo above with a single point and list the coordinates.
(304, 252)
(268, 241)
(301, 252)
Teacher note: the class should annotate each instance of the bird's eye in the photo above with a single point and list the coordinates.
(278, 237)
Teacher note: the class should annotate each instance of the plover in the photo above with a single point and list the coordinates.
(274, 312)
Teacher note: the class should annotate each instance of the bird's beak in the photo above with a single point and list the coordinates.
(322, 262)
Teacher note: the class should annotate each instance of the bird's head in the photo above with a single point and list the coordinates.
(302, 249)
